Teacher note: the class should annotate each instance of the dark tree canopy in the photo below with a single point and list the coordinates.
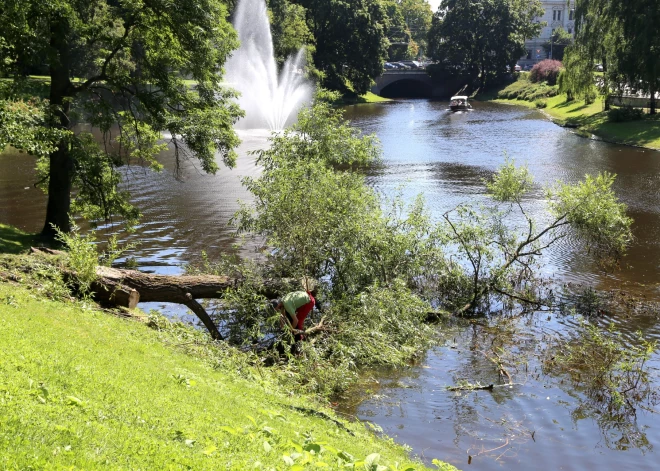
(350, 42)
(481, 39)
(120, 66)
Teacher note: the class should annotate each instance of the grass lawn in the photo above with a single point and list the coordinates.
(81, 389)
(84, 389)
(372, 98)
(362, 99)
(592, 119)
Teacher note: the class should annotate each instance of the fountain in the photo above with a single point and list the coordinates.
(270, 101)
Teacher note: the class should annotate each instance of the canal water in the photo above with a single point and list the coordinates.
(542, 422)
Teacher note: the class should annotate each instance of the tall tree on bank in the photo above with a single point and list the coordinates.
(480, 39)
(418, 17)
(350, 42)
(129, 59)
(289, 29)
(401, 45)
(624, 36)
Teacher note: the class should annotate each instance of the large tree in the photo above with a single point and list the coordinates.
(418, 16)
(401, 46)
(289, 29)
(624, 36)
(350, 42)
(120, 66)
(482, 38)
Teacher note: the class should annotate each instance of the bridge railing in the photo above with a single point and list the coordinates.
(404, 72)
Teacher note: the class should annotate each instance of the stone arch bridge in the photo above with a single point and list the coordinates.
(398, 83)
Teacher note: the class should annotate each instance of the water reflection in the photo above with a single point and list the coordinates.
(446, 156)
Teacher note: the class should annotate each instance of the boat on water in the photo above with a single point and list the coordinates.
(459, 103)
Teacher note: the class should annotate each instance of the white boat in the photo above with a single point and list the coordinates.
(459, 103)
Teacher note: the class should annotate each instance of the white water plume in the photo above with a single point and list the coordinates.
(270, 101)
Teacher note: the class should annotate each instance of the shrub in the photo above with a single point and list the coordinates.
(624, 114)
(546, 71)
(541, 104)
(523, 89)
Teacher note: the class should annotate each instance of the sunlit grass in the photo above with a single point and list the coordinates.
(81, 389)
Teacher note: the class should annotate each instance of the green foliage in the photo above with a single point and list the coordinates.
(381, 326)
(289, 29)
(83, 257)
(347, 66)
(540, 104)
(482, 39)
(130, 61)
(595, 215)
(93, 391)
(625, 114)
(323, 222)
(407, 25)
(498, 257)
(24, 125)
(616, 33)
(510, 183)
(418, 16)
(577, 80)
(612, 372)
(398, 33)
(560, 39)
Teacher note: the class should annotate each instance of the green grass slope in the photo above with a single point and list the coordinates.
(82, 389)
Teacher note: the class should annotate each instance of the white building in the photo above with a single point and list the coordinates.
(558, 13)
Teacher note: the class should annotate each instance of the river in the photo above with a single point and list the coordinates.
(540, 423)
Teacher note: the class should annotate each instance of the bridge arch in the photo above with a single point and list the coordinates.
(411, 83)
(407, 88)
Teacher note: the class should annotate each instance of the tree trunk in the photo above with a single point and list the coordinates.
(606, 85)
(61, 163)
(653, 102)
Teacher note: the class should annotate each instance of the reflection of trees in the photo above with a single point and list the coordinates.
(608, 374)
(618, 433)
(604, 370)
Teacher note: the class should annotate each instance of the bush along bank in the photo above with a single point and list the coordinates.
(619, 125)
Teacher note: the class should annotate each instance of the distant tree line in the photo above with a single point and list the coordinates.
(482, 40)
(347, 42)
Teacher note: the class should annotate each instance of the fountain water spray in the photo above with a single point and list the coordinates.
(270, 101)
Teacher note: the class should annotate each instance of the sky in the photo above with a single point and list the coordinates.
(434, 4)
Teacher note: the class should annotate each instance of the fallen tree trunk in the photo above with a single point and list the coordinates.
(129, 287)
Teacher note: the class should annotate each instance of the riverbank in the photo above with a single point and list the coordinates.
(367, 98)
(81, 388)
(590, 120)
